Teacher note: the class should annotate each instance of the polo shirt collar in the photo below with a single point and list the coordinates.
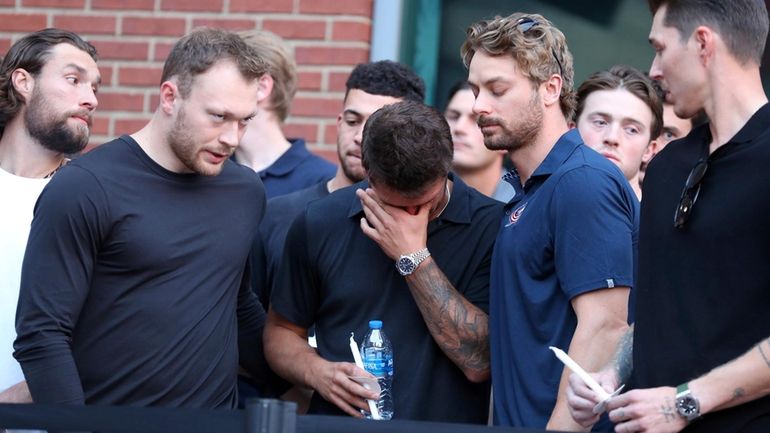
(757, 124)
(289, 160)
(457, 211)
(560, 152)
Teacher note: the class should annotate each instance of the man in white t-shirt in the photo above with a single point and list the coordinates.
(48, 85)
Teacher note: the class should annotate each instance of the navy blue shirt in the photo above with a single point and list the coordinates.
(268, 245)
(334, 276)
(296, 169)
(572, 228)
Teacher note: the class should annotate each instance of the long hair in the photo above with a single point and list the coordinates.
(31, 53)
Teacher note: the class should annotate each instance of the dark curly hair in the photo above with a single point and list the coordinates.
(387, 78)
(31, 53)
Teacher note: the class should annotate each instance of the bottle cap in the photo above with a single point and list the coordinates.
(375, 324)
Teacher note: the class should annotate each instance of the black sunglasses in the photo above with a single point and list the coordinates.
(525, 24)
(690, 193)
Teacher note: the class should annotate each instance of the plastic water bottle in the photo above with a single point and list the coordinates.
(377, 354)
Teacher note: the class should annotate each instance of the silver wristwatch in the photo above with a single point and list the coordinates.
(408, 263)
(686, 403)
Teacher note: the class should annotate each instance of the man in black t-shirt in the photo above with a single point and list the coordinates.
(135, 287)
(338, 272)
(699, 356)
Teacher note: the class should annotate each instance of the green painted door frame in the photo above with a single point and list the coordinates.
(420, 38)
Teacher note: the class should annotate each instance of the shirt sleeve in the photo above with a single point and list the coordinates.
(70, 220)
(251, 323)
(295, 292)
(595, 220)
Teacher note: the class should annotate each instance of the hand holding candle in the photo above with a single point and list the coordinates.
(604, 396)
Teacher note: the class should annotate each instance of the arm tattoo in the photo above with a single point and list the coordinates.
(667, 410)
(738, 393)
(623, 357)
(460, 328)
(762, 352)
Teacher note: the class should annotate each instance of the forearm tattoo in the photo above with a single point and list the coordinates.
(624, 356)
(460, 328)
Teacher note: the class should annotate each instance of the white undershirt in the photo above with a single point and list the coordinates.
(17, 201)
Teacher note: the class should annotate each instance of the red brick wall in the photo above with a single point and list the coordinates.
(134, 36)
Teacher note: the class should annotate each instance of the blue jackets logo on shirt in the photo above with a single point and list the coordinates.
(515, 215)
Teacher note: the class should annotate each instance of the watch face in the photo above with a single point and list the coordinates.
(687, 406)
(405, 265)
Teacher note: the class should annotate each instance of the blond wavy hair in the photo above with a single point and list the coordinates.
(540, 50)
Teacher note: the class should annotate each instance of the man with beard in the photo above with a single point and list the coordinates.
(564, 258)
(48, 81)
(135, 288)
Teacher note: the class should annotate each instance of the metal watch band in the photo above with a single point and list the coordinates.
(408, 263)
(419, 256)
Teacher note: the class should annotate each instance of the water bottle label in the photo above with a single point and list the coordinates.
(379, 366)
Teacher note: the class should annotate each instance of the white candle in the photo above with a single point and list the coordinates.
(360, 363)
(356, 352)
(577, 369)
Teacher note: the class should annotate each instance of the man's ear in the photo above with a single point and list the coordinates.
(652, 149)
(169, 93)
(706, 41)
(551, 90)
(23, 82)
(265, 88)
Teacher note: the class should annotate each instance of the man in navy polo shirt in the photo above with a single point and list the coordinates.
(339, 271)
(564, 258)
(369, 87)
